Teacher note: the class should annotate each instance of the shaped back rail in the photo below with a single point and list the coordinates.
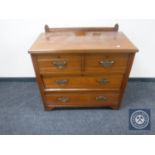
(82, 29)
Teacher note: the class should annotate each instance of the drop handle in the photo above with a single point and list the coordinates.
(59, 63)
(62, 82)
(103, 81)
(101, 98)
(63, 99)
(106, 63)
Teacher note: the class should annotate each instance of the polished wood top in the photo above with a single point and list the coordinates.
(83, 42)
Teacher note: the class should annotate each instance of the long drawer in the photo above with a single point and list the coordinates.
(105, 82)
(83, 99)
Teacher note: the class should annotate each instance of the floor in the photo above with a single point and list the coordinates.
(21, 112)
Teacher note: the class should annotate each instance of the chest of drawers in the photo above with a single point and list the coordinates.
(82, 67)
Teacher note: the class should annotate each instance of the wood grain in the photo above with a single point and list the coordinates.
(80, 40)
(82, 67)
(82, 99)
(104, 82)
(92, 63)
(73, 63)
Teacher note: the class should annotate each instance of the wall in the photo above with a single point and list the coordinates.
(16, 37)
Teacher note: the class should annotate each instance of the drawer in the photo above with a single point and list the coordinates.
(106, 63)
(106, 82)
(59, 63)
(82, 99)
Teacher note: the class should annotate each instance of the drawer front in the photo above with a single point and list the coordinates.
(59, 63)
(90, 82)
(106, 63)
(82, 99)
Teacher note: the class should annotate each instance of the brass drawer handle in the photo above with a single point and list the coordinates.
(101, 98)
(106, 63)
(103, 81)
(63, 99)
(62, 82)
(59, 63)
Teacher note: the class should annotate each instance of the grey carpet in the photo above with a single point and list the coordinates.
(21, 112)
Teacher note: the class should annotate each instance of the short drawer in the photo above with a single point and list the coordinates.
(82, 99)
(59, 63)
(106, 82)
(106, 63)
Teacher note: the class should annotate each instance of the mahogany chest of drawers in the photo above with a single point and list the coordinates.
(82, 67)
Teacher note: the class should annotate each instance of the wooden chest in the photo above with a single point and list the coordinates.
(82, 67)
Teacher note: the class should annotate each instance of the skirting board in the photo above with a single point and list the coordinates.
(31, 79)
